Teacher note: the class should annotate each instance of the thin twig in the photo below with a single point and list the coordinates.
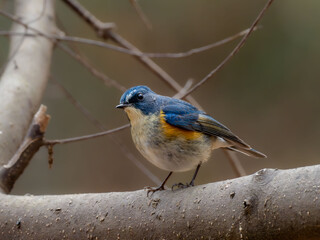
(150, 64)
(99, 27)
(85, 112)
(235, 163)
(74, 52)
(132, 52)
(185, 88)
(125, 151)
(234, 51)
(141, 14)
(81, 59)
(85, 137)
(11, 33)
(41, 13)
(199, 49)
(17, 20)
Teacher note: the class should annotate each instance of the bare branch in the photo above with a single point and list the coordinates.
(10, 172)
(81, 59)
(199, 49)
(267, 205)
(133, 52)
(18, 20)
(183, 90)
(85, 137)
(234, 51)
(85, 112)
(235, 163)
(100, 27)
(141, 14)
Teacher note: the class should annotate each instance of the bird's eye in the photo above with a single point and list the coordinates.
(140, 96)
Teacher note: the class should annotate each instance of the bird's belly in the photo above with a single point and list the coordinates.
(175, 154)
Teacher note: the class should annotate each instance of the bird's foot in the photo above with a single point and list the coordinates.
(181, 185)
(152, 190)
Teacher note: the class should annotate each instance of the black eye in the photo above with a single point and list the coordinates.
(140, 96)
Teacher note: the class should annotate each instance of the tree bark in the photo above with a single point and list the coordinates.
(270, 204)
(25, 77)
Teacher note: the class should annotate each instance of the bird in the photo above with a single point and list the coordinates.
(174, 135)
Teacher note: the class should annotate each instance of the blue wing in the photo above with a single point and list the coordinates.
(185, 116)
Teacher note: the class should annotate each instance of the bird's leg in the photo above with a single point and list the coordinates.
(191, 184)
(195, 175)
(160, 188)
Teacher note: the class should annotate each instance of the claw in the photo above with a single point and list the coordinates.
(153, 190)
(160, 188)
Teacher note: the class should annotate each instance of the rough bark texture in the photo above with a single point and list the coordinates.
(25, 77)
(271, 204)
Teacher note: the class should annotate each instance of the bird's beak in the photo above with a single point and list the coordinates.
(122, 105)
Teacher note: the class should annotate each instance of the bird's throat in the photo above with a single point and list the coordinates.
(134, 115)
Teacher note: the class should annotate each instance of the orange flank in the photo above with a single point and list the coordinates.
(172, 131)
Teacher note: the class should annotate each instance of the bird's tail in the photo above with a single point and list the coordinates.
(249, 152)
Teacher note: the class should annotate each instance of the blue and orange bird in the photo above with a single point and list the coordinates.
(174, 135)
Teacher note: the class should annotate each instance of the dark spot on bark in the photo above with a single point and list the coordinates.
(250, 204)
(232, 194)
(18, 223)
(58, 210)
(246, 203)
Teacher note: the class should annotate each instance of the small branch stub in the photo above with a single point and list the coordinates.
(10, 172)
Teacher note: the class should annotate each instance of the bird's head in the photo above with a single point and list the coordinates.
(139, 100)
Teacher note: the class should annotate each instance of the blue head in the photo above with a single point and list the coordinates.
(142, 98)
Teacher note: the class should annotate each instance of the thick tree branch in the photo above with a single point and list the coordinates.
(270, 204)
(23, 81)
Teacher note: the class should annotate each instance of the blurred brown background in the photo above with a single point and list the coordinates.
(268, 94)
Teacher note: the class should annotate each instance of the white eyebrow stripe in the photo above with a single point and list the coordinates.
(130, 95)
